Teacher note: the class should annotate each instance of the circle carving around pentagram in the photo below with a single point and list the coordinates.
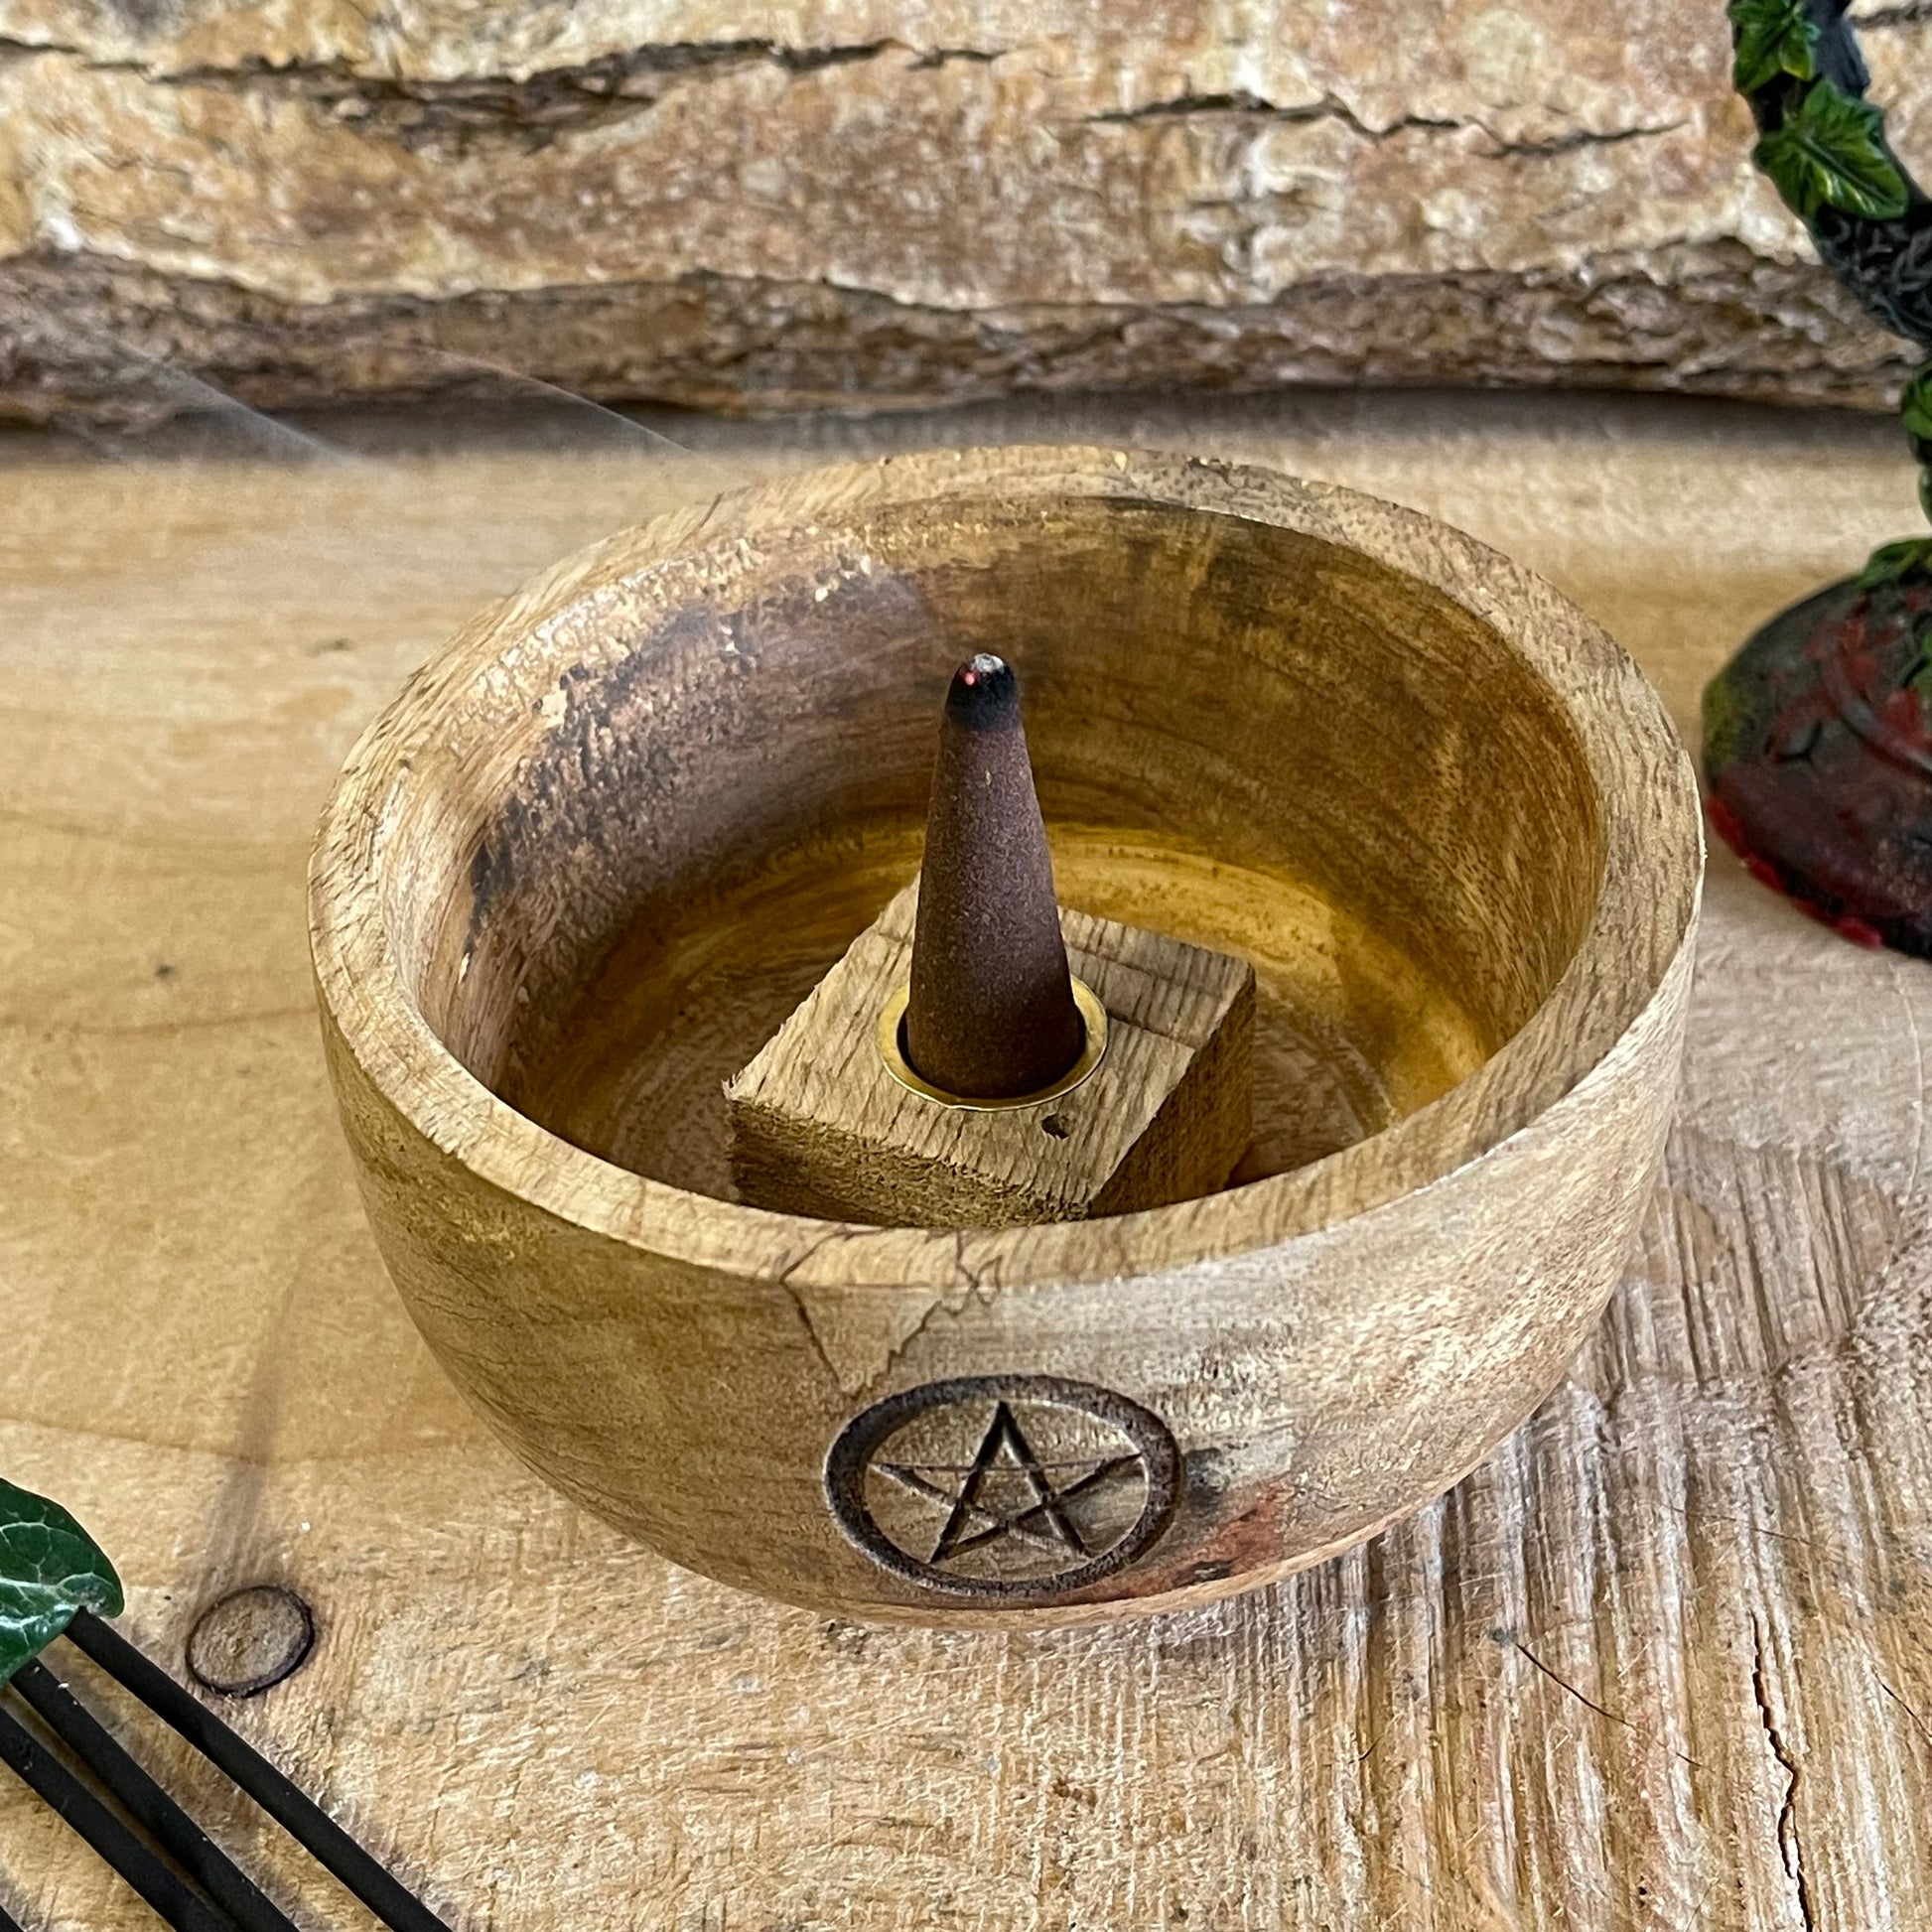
(1004, 1487)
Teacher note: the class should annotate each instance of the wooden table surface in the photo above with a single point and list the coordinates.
(1665, 1661)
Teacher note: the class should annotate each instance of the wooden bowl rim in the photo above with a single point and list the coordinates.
(1643, 921)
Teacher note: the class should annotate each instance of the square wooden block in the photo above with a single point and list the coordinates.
(820, 1126)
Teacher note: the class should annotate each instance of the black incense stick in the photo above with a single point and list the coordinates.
(304, 1821)
(182, 1908)
(147, 1804)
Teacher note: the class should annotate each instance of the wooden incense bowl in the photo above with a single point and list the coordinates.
(608, 837)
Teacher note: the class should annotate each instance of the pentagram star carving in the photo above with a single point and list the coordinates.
(983, 1507)
(1004, 1488)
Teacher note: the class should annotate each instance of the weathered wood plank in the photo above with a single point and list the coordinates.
(1663, 1662)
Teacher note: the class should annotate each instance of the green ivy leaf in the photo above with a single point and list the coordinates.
(1915, 405)
(50, 1568)
(1831, 153)
(1895, 563)
(1772, 37)
(1726, 718)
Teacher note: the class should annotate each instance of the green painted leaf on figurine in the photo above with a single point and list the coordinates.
(1915, 405)
(1725, 720)
(50, 1568)
(1831, 153)
(1772, 37)
(1893, 563)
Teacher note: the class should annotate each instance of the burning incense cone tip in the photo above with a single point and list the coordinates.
(984, 693)
(991, 1012)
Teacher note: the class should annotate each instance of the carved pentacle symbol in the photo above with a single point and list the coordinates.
(1004, 1487)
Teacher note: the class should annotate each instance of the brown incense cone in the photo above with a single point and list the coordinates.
(991, 1012)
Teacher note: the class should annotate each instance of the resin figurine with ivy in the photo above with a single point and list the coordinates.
(1817, 745)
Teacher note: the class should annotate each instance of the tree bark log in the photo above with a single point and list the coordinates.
(895, 202)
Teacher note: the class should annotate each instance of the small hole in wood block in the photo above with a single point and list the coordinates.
(1055, 1125)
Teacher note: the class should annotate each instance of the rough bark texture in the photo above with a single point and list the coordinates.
(891, 202)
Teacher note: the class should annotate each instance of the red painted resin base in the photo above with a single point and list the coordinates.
(1819, 760)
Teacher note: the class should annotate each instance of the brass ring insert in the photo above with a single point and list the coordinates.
(1093, 1050)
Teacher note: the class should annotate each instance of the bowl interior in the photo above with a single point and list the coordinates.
(1244, 736)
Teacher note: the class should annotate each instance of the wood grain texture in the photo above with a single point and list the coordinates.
(820, 1126)
(1660, 1663)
